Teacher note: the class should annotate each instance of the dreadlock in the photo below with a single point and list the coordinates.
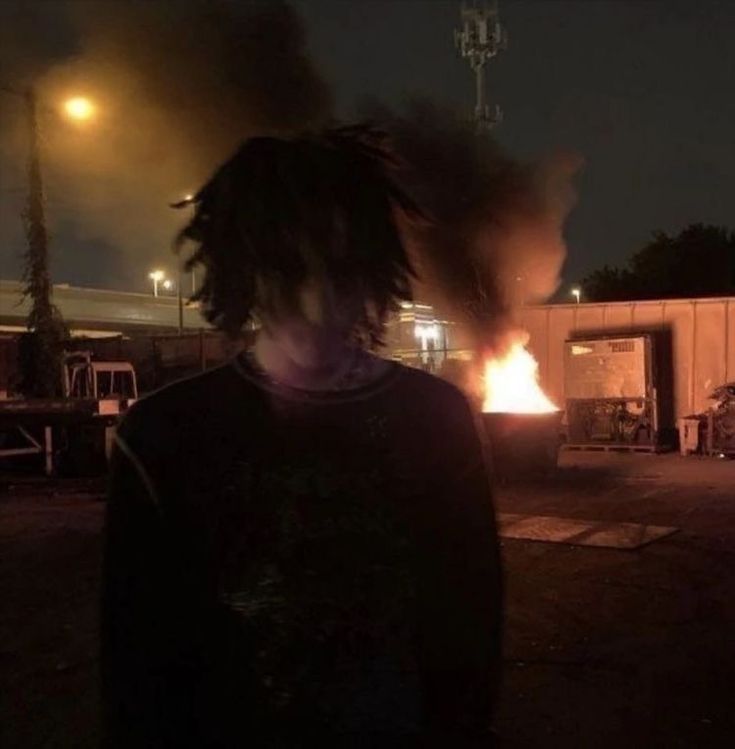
(282, 208)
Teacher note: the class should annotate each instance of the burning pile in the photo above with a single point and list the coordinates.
(511, 384)
(521, 422)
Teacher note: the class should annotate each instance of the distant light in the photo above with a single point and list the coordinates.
(168, 284)
(79, 108)
(189, 197)
(576, 292)
(582, 350)
(427, 332)
(156, 275)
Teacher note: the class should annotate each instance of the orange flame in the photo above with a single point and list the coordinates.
(512, 386)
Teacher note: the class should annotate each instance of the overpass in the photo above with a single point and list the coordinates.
(101, 312)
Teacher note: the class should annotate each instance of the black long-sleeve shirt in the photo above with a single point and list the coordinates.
(286, 567)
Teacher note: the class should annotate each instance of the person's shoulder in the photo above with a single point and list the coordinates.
(424, 385)
(438, 410)
(175, 405)
(437, 404)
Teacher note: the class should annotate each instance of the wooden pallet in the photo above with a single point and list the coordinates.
(612, 448)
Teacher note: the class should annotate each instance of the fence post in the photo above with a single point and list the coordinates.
(154, 346)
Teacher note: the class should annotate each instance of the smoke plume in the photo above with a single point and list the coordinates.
(177, 85)
(494, 241)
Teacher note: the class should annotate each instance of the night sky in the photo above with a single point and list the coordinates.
(643, 90)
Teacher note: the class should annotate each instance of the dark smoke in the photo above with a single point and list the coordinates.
(495, 241)
(178, 85)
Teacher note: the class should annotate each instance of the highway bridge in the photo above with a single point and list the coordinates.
(100, 312)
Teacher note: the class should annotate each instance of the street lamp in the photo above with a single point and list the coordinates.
(188, 200)
(167, 284)
(79, 108)
(156, 276)
(576, 293)
(521, 294)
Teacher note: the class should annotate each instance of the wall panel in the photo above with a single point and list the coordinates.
(695, 340)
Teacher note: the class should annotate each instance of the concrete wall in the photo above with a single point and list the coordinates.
(695, 340)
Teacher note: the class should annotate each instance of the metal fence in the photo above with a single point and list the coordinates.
(158, 360)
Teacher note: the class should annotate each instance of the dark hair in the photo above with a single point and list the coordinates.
(282, 207)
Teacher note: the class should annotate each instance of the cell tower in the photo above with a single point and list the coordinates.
(479, 40)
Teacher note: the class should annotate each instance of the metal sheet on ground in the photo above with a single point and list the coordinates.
(575, 532)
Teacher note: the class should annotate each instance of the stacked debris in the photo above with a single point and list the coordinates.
(713, 431)
(721, 421)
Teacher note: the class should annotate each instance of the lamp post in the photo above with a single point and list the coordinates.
(521, 292)
(179, 294)
(156, 276)
(188, 199)
(576, 293)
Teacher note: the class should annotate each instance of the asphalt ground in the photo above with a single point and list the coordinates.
(610, 648)
(603, 647)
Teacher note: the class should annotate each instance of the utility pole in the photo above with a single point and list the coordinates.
(479, 40)
(180, 296)
(188, 200)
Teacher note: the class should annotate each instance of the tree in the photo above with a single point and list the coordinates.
(41, 362)
(609, 284)
(698, 262)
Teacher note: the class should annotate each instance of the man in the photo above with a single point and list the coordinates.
(301, 548)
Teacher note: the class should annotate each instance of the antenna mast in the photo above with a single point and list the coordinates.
(479, 40)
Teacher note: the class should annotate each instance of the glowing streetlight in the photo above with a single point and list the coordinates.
(156, 276)
(576, 293)
(79, 108)
(521, 292)
(168, 284)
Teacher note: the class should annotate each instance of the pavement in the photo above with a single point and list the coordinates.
(610, 648)
(603, 648)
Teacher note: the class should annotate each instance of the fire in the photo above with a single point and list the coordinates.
(512, 386)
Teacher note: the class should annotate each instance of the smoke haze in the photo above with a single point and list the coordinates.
(177, 86)
(495, 241)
